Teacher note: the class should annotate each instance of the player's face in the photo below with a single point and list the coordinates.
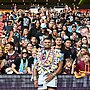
(47, 44)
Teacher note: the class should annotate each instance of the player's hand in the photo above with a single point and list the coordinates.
(36, 83)
(49, 77)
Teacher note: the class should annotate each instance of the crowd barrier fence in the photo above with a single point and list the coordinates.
(25, 82)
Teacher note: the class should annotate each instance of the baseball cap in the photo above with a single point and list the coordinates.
(73, 25)
(43, 25)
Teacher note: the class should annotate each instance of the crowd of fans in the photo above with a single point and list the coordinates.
(22, 33)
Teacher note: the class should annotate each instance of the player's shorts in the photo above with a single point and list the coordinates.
(42, 84)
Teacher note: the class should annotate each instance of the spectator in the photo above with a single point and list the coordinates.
(22, 65)
(34, 42)
(65, 29)
(77, 45)
(2, 61)
(84, 41)
(1, 25)
(23, 43)
(64, 36)
(68, 51)
(88, 38)
(34, 53)
(29, 49)
(35, 27)
(25, 20)
(16, 31)
(14, 39)
(3, 42)
(81, 52)
(82, 68)
(11, 55)
(74, 30)
(68, 66)
(59, 44)
(25, 34)
(74, 37)
(8, 27)
(84, 31)
(54, 33)
(42, 34)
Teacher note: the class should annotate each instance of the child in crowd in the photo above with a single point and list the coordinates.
(68, 66)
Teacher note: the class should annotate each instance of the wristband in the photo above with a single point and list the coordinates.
(35, 78)
(54, 74)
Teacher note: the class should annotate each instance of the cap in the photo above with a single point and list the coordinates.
(43, 25)
(73, 25)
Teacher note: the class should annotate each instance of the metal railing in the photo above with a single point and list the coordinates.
(25, 82)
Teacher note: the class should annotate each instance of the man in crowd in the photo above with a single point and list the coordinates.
(68, 52)
(11, 55)
(84, 31)
(24, 21)
(59, 44)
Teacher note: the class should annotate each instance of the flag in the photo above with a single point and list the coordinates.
(80, 74)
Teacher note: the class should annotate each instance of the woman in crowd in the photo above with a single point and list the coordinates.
(22, 65)
(83, 67)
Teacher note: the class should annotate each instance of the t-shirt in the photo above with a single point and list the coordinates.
(11, 57)
(26, 21)
(18, 61)
(81, 66)
(68, 54)
(31, 61)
